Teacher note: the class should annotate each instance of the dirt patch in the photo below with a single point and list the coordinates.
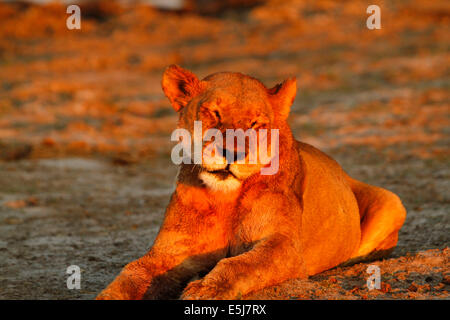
(421, 276)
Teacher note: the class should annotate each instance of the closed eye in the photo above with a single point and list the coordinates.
(260, 123)
(212, 115)
(217, 114)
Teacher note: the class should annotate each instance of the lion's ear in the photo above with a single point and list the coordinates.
(180, 86)
(282, 97)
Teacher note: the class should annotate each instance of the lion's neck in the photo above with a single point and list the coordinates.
(194, 176)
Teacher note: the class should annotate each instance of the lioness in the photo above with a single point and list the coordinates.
(239, 230)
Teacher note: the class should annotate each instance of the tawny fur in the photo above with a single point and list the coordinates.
(255, 230)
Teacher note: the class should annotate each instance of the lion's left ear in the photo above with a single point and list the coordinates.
(180, 86)
(282, 97)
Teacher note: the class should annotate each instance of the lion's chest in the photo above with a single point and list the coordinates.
(230, 221)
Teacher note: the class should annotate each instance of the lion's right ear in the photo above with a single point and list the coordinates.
(180, 86)
(282, 96)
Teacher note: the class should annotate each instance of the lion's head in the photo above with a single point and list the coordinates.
(229, 101)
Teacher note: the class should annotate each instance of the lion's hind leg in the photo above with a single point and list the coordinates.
(382, 215)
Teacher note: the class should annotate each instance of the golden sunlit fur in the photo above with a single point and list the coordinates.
(239, 230)
(216, 184)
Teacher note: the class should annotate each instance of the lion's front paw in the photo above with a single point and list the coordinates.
(110, 295)
(196, 290)
(207, 290)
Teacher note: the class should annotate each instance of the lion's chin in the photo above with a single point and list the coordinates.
(220, 181)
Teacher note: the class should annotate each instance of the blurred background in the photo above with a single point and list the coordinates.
(85, 170)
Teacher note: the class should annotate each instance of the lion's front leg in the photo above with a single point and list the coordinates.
(271, 261)
(157, 276)
(131, 283)
(177, 254)
(152, 277)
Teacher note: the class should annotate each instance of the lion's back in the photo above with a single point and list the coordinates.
(330, 218)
